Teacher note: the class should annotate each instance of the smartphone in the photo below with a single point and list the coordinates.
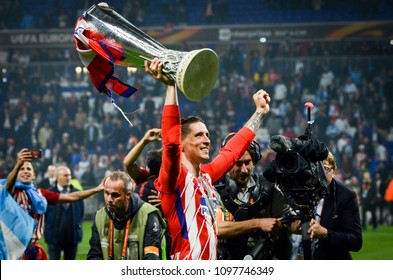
(35, 154)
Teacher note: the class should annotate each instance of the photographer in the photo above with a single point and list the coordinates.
(250, 212)
(337, 230)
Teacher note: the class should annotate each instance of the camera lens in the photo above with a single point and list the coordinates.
(288, 162)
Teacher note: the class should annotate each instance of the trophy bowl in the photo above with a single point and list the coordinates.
(197, 73)
(120, 42)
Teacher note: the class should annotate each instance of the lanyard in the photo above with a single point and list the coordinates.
(25, 205)
(209, 198)
(207, 194)
(24, 201)
(125, 239)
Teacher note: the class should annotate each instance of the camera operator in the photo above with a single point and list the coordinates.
(336, 230)
(251, 211)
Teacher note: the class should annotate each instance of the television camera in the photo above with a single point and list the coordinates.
(298, 170)
(299, 173)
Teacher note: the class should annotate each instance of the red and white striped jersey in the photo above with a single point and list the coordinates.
(24, 201)
(188, 202)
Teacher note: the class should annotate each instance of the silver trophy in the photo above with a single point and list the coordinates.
(194, 72)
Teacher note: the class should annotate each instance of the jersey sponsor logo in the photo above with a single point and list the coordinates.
(204, 208)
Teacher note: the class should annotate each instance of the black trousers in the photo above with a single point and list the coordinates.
(69, 250)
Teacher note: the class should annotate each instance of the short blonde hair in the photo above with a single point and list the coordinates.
(331, 160)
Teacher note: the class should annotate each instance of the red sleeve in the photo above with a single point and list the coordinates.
(51, 197)
(229, 154)
(171, 152)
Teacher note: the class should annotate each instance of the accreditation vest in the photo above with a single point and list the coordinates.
(135, 236)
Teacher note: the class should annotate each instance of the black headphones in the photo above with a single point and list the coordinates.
(254, 149)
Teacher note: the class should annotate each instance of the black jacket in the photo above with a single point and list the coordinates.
(340, 215)
(55, 216)
(45, 184)
(268, 202)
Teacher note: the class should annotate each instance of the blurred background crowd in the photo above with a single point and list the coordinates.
(61, 14)
(45, 105)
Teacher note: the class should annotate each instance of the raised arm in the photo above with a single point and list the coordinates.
(236, 147)
(23, 155)
(262, 108)
(129, 162)
(171, 130)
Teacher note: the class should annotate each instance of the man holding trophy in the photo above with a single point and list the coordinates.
(184, 183)
(104, 38)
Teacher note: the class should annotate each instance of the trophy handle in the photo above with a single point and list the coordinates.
(170, 60)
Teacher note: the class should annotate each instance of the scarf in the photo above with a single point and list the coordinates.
(38, 200)
(99, 56)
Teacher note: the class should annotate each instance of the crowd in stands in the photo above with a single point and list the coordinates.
(25, 14)
(353, 108)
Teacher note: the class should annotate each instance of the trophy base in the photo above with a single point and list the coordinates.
(197, 73)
